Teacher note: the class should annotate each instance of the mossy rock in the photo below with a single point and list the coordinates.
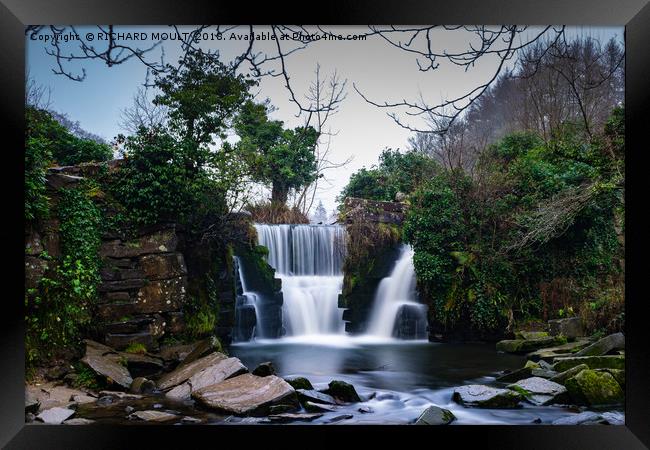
(530, 335)
(573, 371)
(343, 391)
(595, 388)
(434, 415)
(486, 397)
(300, 383)
(618, 374)
(529, 345)
(594, 362)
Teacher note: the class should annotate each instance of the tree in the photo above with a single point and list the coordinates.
(283, 158)
(320, 215)
(143, 113)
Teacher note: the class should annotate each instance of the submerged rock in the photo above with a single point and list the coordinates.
(78, 421)
(246, 394)
(340, 418)
(435, 415)
(318, 407)
(300, 383)
(264, 369)
(595, 388)
(343, 391)
(592, 418)
(594, 362)
(540, 391)
(315, 396)
(603, 346)
(55, 415)
(288, 417)
(486, 397)
(153, 416)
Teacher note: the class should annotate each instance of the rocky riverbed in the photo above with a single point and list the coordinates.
(542, 379)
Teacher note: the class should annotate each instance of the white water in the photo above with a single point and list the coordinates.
(248, 297)
(394, 292)
(308, 259)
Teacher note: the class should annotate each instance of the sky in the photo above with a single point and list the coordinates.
(379, 70)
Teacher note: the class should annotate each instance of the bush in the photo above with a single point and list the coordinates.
(275, 213)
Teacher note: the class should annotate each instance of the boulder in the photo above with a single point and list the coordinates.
(318, 407)
(152, 416)
(185, 371)
(203, 348)
(594, 362)
(219, 371)
(176, 353)
(570, 327)
(340, 418)
(315, 396)
(343, 391)
(486, 397)
(543, 373)
(530, 335)
(246, 394)
(300, 383)
(591, 418)
(593, 388)
(563, 376)
(264, 369)
(107, 363)
(548, 353)
(528, 345)
(435, 415)
(618, 374)
(55, 415)
(279, 409)
(603, 346)
(142, 385)
(540, 391)
(519, 374)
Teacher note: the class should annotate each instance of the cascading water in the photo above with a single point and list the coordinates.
(247, 317)
(309, 260)
(395, 312)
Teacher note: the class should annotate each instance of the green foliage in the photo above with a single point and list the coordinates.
(396, 172)
(136, 348)
(60, 308)
(86, 378)
(538, 214)
(201, 322)
(280, 157)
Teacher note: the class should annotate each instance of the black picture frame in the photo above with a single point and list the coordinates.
(633, 14)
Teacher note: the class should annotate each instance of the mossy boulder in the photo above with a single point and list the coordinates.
(529, 345)
(519, 374)
(530, 335)
(435, 415)
(343, 391)
(573, 371)
(300, 383)
(540, 391)
(603, 346)
(595, 388)
(486, 397)
(594, 362)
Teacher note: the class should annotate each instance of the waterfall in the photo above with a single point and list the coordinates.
(247, 317)
(395, 311)
(309, 260)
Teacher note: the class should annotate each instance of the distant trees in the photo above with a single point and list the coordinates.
(320, 214)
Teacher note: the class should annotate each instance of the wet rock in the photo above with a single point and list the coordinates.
(176, 353)
(594, 362)
(540, 391)
(570, 327)
(543, 373)
(186, 371)
(203, 348)
(120, 395)
(129, 409)
(365, 410)
(48, 396)
(528, 345)
(486, 397)
(318, 407)
(105, 400)
(619, 375)
(584, 418)
(153, 416)
(563, 376)
(593, 388)
(536, 420)
(434, 415)
(191, 420)
(246, 394)
(603, 346)
(530, 335)
(288, 417)
(516, 375)
(105, 362)
(340, 418)
(549, 353)
(279, 409)
(83, 398)
(78, 421)
(221, 370)
(142, 385)
(55, 415)
(300, 383)
(264, 369)
(315, 396)
(343, 391)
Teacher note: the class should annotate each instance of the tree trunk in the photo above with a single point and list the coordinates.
(279, 193)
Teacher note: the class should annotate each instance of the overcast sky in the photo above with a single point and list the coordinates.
(380, 71)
